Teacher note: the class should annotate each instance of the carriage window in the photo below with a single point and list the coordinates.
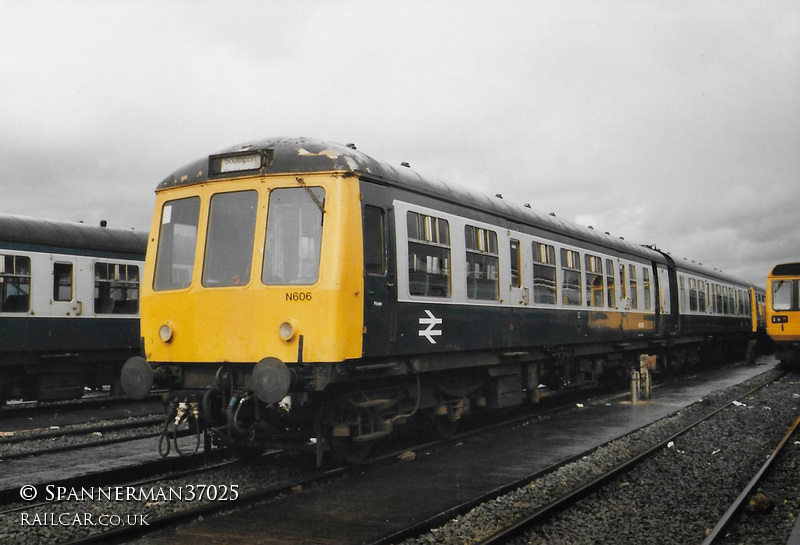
(176, 244)
(229, 242)
(428, 255)
(646, 286)
(623, 282)
(483, 280)
(545, 286)
(116, 288)
(634, 287)
(595, 294)
(374, 243)
(701, 296)
(683, 292)
(62, 281)
(15, 283)
(718, 295)
(294, 236)
(610, 287)
(516, 277)
(571, 280)
(692, 294)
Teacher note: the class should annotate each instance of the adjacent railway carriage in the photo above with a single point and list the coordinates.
(69, 304)
(296, 288)
(783, 311)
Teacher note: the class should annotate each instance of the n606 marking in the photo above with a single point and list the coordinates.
(296, 296)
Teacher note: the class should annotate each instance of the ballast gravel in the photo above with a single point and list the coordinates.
(674, 497)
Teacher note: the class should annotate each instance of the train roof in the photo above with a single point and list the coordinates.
(308, 155)
(27, 232)
(700, 269)
(786, 269)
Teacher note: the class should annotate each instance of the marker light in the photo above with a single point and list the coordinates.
(165, 332)
(780, 319)
(287, 331)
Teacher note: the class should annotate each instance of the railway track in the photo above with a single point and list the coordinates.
(506, 532)
(284, 481)
(50, 440)
(673, 492)
(91, 401)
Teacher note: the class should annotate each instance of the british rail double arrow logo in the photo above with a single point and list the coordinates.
(431, 321)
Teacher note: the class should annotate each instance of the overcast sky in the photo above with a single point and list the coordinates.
(675, 123)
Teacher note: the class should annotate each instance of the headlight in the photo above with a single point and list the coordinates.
(165, 332)
(287, 331)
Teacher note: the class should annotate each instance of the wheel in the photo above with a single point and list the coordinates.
(441, 426)
(349, 452)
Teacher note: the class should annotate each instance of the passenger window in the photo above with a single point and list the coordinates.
(709, 298)
(623, 282)
(545, 286)
(610, 284)
(648, 304)
(116, 288)
(701, 296)
(374, 243)
(428, 255)
(294, 236)
(595, 294)
(15, 283)
(516, 277)
(682, 282)
(177, 241)
(229, 242)
(692, 294)
(483, 281)
(62, 282)
(634, 288)
(571, 282)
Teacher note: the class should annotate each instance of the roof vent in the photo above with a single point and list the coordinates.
(405, 165)
(498, 195)
(351, 145)
(553, 214)
(527, 205)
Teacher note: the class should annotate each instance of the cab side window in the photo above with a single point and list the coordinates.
(374, 241)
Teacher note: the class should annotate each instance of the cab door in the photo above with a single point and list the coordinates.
(380, 292)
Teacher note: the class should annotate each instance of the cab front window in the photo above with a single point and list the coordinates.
(782, 295)
(294, 236)
(177, 240)
(229, 243)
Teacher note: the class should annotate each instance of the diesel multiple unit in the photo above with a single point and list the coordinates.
(298, 289)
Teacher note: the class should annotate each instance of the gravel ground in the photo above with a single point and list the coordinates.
(75, 517)
(677, 496)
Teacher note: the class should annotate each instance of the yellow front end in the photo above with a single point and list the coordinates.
(276, 271)
(783, 310)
